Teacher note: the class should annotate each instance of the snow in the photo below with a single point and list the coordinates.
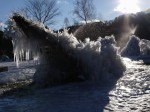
(132, 91)
(15, 74)
(130, 94)
(145, 47)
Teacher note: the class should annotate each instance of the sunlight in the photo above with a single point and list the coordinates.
(128, 6)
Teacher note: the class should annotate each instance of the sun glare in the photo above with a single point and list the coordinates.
(128, 6)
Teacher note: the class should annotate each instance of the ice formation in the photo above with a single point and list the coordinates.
(145, 47)
(62, 57)
(132, 48)
(136, 47)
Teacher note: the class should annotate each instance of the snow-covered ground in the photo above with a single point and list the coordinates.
(131, 94)
(16, 74)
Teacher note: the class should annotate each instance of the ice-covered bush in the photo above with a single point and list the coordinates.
(144, 47)
(100, 59)
(62, 57)
(132, 48)
(96, 60)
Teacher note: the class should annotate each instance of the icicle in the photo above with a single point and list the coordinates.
(27, 55)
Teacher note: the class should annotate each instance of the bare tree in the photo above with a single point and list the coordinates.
(66, 22)
(42, 10)
(84, 10)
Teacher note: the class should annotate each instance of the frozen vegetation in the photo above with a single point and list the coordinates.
(92, 59)
(132, 91)
(132, 48)
(144, 47)
(95, 56)
(136, 47)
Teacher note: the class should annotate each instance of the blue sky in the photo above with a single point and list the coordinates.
(107, 9)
